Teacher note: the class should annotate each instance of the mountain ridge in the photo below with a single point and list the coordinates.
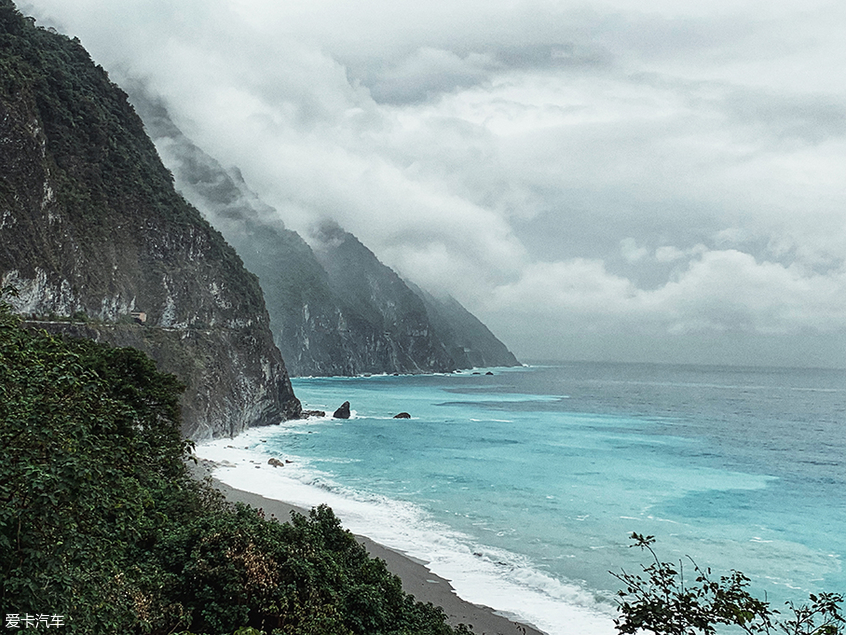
(324, 320)
(91, 225)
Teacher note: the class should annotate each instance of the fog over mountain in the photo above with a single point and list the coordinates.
(593, 180)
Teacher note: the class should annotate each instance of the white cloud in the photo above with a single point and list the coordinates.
(631, 252)
(719, 291)
(668, 253)
(730, 291)
(610, 166)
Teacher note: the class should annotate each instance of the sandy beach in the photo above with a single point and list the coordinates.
(416, 578)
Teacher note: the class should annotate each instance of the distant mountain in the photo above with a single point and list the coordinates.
(334, 308)
(379, 308)
(99, 244)
(470, 343)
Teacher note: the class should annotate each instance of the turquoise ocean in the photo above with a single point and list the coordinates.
(523, 486)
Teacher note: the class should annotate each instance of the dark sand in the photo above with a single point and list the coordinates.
(416, 578)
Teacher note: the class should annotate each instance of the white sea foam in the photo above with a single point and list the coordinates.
(480, 574)
(565, 488)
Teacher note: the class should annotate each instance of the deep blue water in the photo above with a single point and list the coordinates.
(524, 486)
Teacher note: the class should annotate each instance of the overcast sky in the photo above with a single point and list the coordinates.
(630, 180)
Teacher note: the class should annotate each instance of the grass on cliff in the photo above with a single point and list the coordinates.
(101, 524)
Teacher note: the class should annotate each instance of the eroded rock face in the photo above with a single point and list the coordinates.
(90, 225)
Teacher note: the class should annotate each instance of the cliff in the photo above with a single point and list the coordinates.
(334, 308)
(380, 307)
(470, 343)
(91, 226)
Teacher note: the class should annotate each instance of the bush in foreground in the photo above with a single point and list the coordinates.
(101, 524)
(663, 602)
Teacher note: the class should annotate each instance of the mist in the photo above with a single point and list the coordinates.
(594, 180)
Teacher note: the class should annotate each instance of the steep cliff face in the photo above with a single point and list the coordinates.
(90, 224)
(304, 316)
(334, 309)
(469, 342)
(380, 309)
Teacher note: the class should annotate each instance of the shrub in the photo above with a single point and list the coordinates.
(665, 603)
(101, 523)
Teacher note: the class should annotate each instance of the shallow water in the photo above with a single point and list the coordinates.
(523, 487)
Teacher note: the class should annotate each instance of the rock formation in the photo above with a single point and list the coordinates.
(91, 227)
(470, 343)
(343, 412)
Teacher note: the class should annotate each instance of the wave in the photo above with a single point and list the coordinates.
(481, 574)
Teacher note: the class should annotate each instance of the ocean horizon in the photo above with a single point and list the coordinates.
(523, 486)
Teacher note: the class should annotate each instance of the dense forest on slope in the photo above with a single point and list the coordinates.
(91, 226)
(101, 524)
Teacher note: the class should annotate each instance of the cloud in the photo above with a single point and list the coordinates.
(668, 253)
(718, 291)
(668, 170)
(631, 252)
(731, 291)
(428, 72)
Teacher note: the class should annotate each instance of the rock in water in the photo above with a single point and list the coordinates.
(402, 415)
(343, 412)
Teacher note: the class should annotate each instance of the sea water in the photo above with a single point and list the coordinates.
(523, 486)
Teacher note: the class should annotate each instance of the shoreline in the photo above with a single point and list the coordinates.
(416, 578)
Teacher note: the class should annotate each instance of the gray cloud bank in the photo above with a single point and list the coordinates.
(617, 180)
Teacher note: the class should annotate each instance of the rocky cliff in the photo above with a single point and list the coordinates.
(92, 227)
(470, 343)
(334, 308)
(379, 308)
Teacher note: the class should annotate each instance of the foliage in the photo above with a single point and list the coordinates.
(99, 146)
(100, 521)
(100, 163)
(90, 442)
(665, 604)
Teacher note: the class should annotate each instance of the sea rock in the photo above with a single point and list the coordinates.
(275, 462)
(313, 413)
(402, 415)
(343, 412)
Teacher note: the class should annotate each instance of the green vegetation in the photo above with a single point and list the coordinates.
(100, 521)
(99, 146)
(74, 129)
(666, 604)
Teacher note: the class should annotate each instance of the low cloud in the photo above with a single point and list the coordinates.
(719, 291)
(427, 74)
(561, 168)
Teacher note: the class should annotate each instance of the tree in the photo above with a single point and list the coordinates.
(664, 603)
(102, 525)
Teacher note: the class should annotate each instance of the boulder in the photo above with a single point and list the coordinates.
(402, 415)
(343, 412)
(275, 462)
(312, 413)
